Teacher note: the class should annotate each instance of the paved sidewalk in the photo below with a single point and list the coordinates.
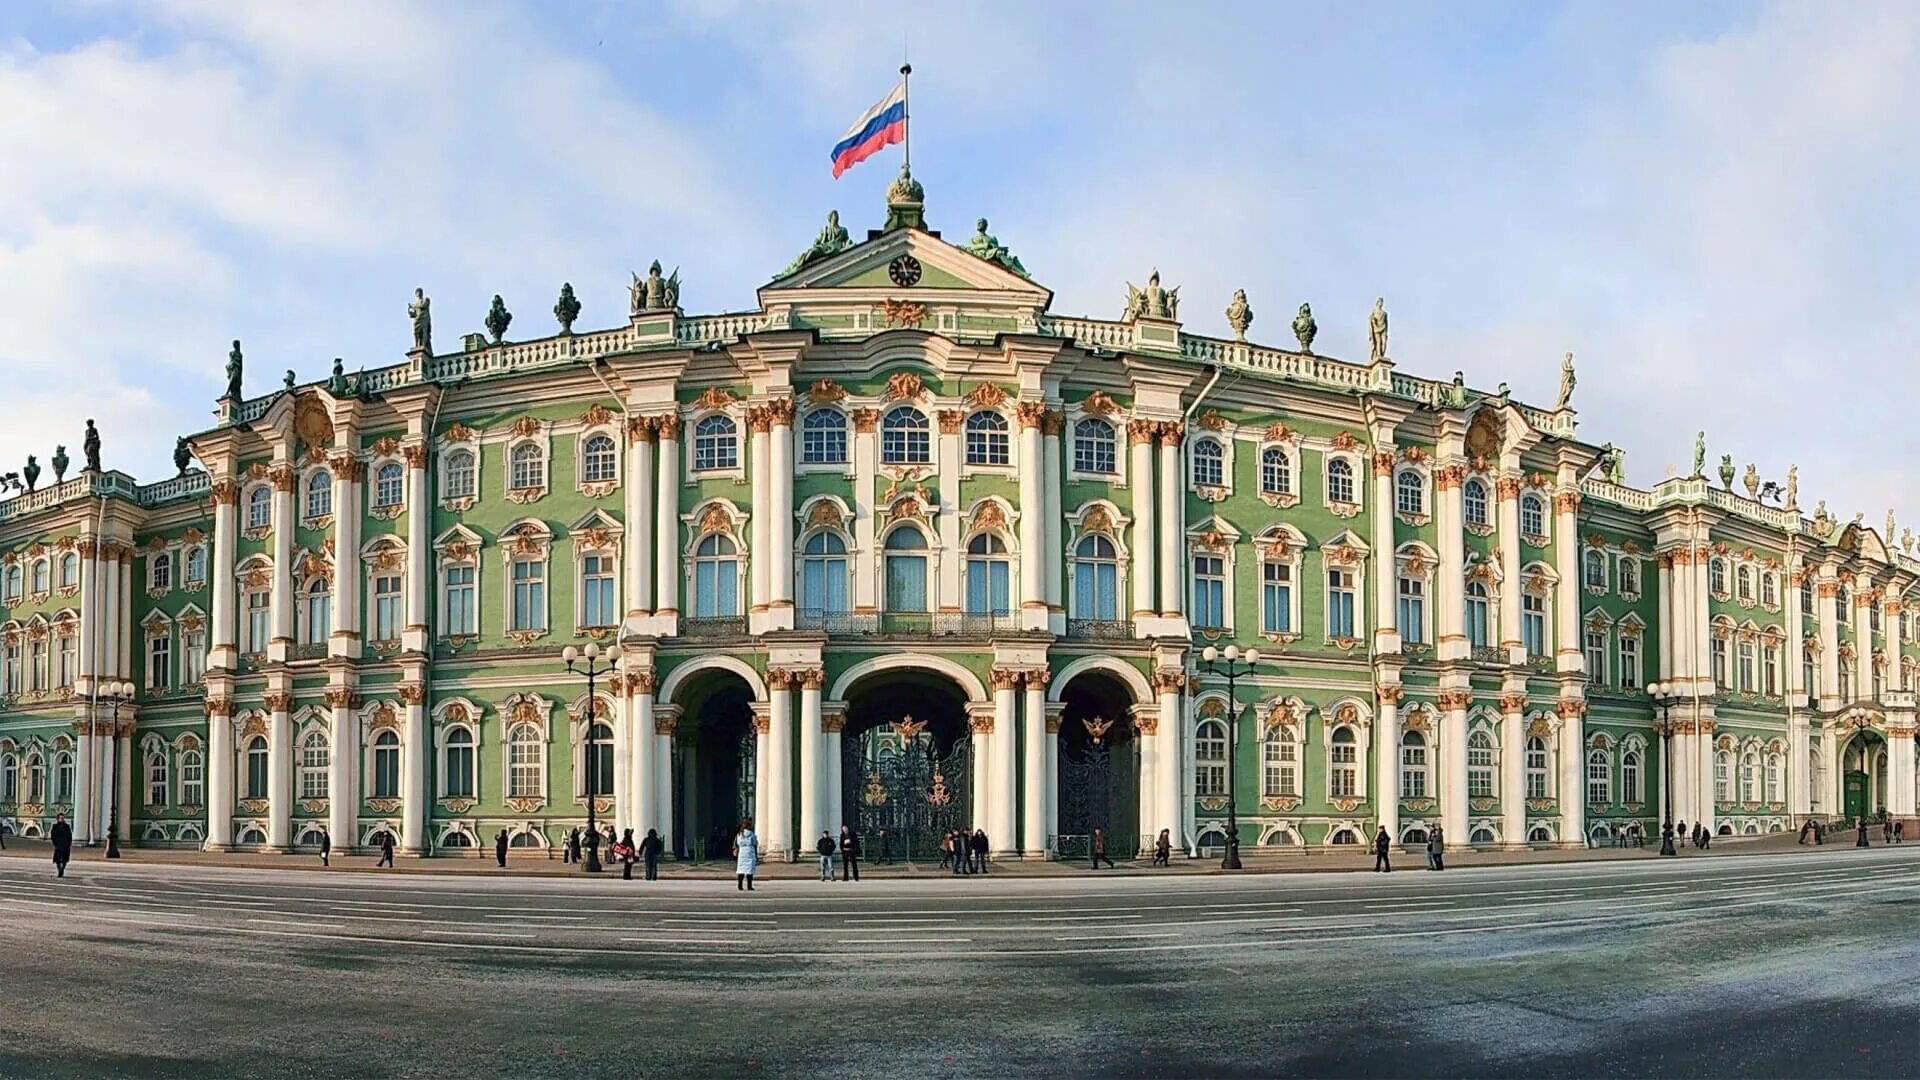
(524, 864)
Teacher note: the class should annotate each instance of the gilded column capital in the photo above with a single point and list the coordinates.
(811, 678)
(982, 724)
(1383, 461)
(951, 421)
(641, 682)
(1005, 678)
(1566, 502)
(1169, 682)
(1454, 700)
(1143, 431)
(415, 455)
(667, 425)
(411, 693)
(1507, 487)
(780, 412)
(1448, 477)
(1032, 414)
(224, 492)
(1571, 708)
(340, 697)
(759, 420)
(831, 723)
(1037, 678)
(1172, 433)
(1391, 695)
(639, 430)
(1513, 702)
(762, 725)
(281, 477)
(864, 420)
(663, 724)
(1053, 423)
(218, 706)
(277, 701)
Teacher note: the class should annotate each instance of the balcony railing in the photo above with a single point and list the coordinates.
(731, 626)
(907, 624)
(1489, 654)
(1100, 629)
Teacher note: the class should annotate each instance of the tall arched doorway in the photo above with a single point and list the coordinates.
(1863, 775)
(713, 776)
(1098, 782)
(906, 763)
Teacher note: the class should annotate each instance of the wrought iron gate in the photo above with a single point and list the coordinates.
(898, 780)
(1099, 785)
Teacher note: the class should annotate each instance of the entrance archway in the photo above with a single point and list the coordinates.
(713, 762)
(1098, 782)
(1863, 775)
(906, 762)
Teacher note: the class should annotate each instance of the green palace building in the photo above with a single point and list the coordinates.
(903, 548)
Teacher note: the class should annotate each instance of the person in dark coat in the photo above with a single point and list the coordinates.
(570, 852)
(849, 854)
(1862, 841)
(946, 853)
(326, 849)
(886, 846)
(980, 846)
(825, 847)
(1163, 849)
(62, 837)
(386, 849)
(650, 851)
(1899, 830)
(1382, 843)
(1100, 850)
(3, 836)
(624, 850)
(500, 849)
(1436, 849)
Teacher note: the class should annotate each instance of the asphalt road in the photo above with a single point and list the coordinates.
(1776, 965)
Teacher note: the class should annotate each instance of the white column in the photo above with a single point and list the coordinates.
(123, 776)
(812, 777)
(280, 549)
(992, 801)
(780, 526)
(1829, 646)
(1799, 764)
(419, 563)
(1453, 756)
(666, 553)
(1900, 793)
(865, 554)
(1566, 602)
(1508, 488)
(639, 527)
(1449, 580)
(950, 517)
(107, 616)
(622, 724)
(221, 651)
(1862, 638)
(344, 641)
(414, 752)
(1036, 788)
(646, 758)
(92, 603)
(663, 722)
(220, 770)
(1667, 627)
(1386, 758)
(1513, 771)
(830, 724)
(86, 786)
(343, 801)
(1050, 527)
(760, 491)
(279, 771)
(779, 765)
(1033, 518)
(1172, 784)
(1573, 773)
(762, 775)
(1386, 576)
(1170, 524)
(1146, 724)
(1146, 599)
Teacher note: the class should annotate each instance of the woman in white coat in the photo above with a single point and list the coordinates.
(746, 856)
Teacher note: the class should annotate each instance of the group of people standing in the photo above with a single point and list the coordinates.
(964, 852)
(624, 850)
(847, 848)
(1436, 850)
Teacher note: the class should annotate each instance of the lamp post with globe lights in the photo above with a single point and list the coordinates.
(1664, 695)
(117, 693)
(1237, 666)
(588, 662)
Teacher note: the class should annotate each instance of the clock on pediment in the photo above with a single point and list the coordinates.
(904, 270)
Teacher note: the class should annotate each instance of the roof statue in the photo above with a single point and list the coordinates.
(31, 474)
(1377, 330)
(832, 240)
(1906, 541)
(1239, 315)
(182, 455)
(287, 383)
(1152, 302)
(1793, 487)
(1822, 519)
(421, 312)
(1567, 381)
(1888, 535)
(1699, 457)
(90, 446)
(654, 292)
(988, 247)
(1457, 395)
(567, 308)
(1751, 481)
(906, 202)
(234, 364)
(498, 319)
(1726, 471)
(337, 381)
(1305, 329)
(60, 462)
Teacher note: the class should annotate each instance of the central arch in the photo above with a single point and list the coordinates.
(1097, 784)
(713, 757)
(1863, 774)
(907, 755)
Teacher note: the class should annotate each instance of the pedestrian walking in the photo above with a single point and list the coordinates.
(627, 855)
(62, 837)
(1886, 830)
(746, 856)
(650, 853)
(1100, 850)
(980, 848)
(1436, 849)
(570, 849)
(1382, 843)
(500, 849)
(825, 849)
(1680, 830)
(1899, 828)
(946, 851)
(1862, 841)
(1163, 849)
(326, 849)
(386, 849)
(886, 846)
(849, 853)
(3, 836)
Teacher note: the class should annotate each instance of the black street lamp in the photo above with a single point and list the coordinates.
(1233, 670)
(1663, 696)
(592, 671)
(119, 693)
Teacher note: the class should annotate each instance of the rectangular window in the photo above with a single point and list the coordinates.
(1597, 656)
(823, 585)
(1412, 610)
(1340, 600)
(192, 789)
(529, 595)
(1479, 768)
(258, 621)
(1770, 670)
(14, 685)
(386, 607)
(1718, 653)
(1280, 775)
(38, 658)
(462, 619)
(1276, 597)
(716, 589)
(1533, 623)
(1536, 769)
(1413, 772)
(987, 587)
(1341, 770)
(157, 780)
(1599, 781)
(1629, 661)
(597, 601)
(69, 659)
(1209, 592)
(1747, 683)
(160, 661)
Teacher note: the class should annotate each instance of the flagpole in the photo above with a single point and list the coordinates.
(906, 120)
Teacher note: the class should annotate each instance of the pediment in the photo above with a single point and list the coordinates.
(947, 273)
(1864, 541)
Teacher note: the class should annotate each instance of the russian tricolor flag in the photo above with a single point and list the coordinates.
(879, 127)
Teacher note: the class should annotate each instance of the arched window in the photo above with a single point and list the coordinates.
(456, 839)
(386, 765)
(1596, 564)
(1536, 768)
(1750, 776)
(63, 777)
(9, 779)
(1209, 463)
(1210, 759)
(1093, 446)
(1533, 624)
(1339, 480)
(390, 489)
(36, 778)
(1717, 576)
(525, 840)
(1723, 776)
(597, 606)
(1413, 765)
(525, 763)
(456, 775)
(1843, 603)
(1096, 578)
(1809, 671)
(161, 570)
(1409, 493)
(1533, 516)
(716, 578)
(598, 754)
(1209, 592)
(1276, 472)
(14, 587)
(1342, 765)
(1479, 621)
(1630, 576)
(823, 575)
(1279, 764)
(156, 779)
(1630, 791)
(1806, 594)
(906, 566)
(70, 572)
(196, 565)
(904, 437)
(1474, 498)
(316, 756)
(599, 461)
(319, 621)
(1481, 775)
(1599, 779)
(460, 474)
(257, 767)
(823, 437)
(988, 574)
(987, 439)
(192, 779)
(320, 494)
(716, 443)
(1773, 779)
(259, 507)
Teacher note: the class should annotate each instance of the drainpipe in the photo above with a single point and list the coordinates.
(93, 686)
(1180, 527)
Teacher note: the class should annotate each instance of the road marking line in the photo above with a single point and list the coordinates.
(479, 933)
(1111, 937)
(1084, 918)
(550, 918)
(910, 941)
(302, 924)
(895, 922)
(676, 941)
(705, 922)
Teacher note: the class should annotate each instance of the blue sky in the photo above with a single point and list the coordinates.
(1711, 205)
